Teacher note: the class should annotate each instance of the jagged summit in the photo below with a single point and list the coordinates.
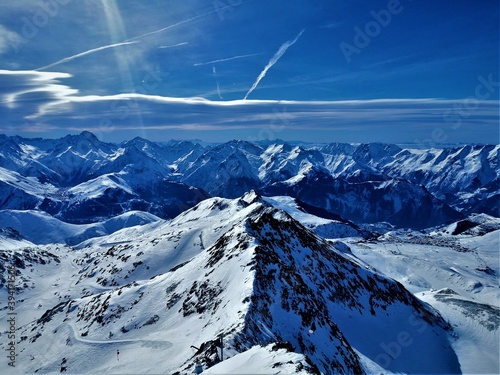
(365, 183)
(252, 197)
(239, 268)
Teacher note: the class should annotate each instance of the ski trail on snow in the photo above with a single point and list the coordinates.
(164, 344)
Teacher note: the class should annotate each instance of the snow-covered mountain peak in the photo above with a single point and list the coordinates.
(164, 293)
(375, 152)
(276, 269)
(262, 280)
(463, 179)
(251, 197)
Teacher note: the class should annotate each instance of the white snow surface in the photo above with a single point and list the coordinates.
(153, 291)
(457, 276)
(41, 228)
(260, 360)
(321, 226)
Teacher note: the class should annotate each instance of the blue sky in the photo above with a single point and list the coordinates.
(319, 70)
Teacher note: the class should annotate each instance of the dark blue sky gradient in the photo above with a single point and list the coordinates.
(444, 52)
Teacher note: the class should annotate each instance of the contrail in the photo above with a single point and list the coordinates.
(273, 61)
(216, 81)
(172, 26)
(66, 59)
(227, 59)
(128, 41)
(217, 10)
(174, 45)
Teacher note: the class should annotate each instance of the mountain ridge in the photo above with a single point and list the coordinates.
(364, 183)
(260, 278)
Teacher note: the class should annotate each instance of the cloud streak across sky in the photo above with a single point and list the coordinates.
(198, 76)
(180, 23)
(174, 45)
(226, 59)
(60, 108)
(130, 41)
(93, 50)
(274, 60)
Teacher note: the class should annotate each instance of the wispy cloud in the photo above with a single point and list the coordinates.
(174, 45)
(70, 58)
(38, 101)
(362, 103)
(274, 60)
(129, 41)
(46, 86)
(217, 82)
(373, 119)
(192, 19)
(9, 39)
(35, 75)
(226, 59)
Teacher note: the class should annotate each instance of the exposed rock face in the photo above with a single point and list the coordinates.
(260, 279)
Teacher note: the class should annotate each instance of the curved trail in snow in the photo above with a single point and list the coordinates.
(159, 344)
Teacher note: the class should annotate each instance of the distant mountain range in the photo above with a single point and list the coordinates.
(79, 179)
(335, 259)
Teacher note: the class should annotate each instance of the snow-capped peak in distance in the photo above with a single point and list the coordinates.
(364, 183)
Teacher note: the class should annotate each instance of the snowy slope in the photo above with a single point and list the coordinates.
(457, 275)
(10, 239)
(41, 228)
(476, 326)
(19, 192)
(473, 225)
(324, 227)
(263, 360)
(467, 265)
(259, 277)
